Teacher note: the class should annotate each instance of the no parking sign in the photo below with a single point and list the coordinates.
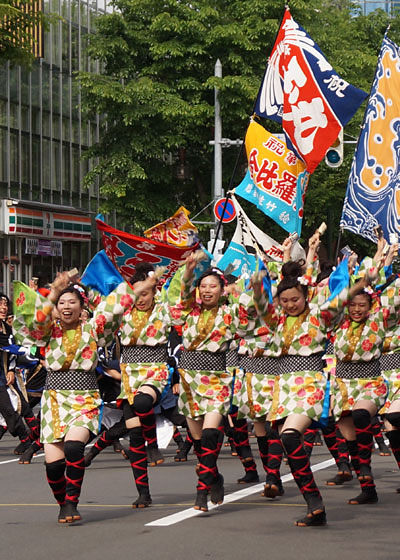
(230, 213)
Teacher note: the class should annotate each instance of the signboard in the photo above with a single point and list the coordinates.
(43, 247)
(230, 212)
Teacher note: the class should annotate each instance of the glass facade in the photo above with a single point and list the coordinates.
(369, 6)
(43, 137)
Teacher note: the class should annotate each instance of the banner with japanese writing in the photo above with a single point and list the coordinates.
(126, 251)
(276, 180)
(372, 195)
(301, 90)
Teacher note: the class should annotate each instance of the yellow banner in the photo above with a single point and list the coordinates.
(177, 230)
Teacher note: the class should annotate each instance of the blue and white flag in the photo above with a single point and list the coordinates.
(373, 195)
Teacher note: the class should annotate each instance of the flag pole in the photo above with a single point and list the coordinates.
(228, 194)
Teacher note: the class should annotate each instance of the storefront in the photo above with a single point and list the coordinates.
(38, 240)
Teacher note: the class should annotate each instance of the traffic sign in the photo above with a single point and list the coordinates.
(230, 212)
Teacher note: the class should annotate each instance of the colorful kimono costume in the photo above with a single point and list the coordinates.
(255, 391)
(71, 397)
(390, 364)
(144, 337)
(358, 371)
(358, 378)
(206, 383)
(390, 358)
(299, 344)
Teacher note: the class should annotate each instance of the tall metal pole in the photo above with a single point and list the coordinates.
(217, 140)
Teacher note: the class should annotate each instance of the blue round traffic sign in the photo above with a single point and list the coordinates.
(230, 212)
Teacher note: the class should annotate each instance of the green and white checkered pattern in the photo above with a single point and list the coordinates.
(136, 375)
(392, 378)
(310, 337)
(347, 392)
(302, 392)
(254, 394)
(63, 410)
(204, 391)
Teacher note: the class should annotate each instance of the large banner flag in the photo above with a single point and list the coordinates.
(177, 230)
(276, 180)
(248, 244)
(373, 195)
(126, 251)
(301, 90)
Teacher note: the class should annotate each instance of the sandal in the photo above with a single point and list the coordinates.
(250, 476)
(26, 457)
(62, 513)
(182, 452)
(384, 450)
(312, 520)
(217, 490)
(337, 480)
(154, 457)
(365, 474)
(69, 513)
(273, 490)
(364, 498)
(144, 500)
(22, 447)
(343, 475)
(201, 502)
(119, 448)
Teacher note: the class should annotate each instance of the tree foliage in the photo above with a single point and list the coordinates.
(157, 94)
(18, 19)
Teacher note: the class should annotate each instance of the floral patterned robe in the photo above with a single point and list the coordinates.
(204, 391)
(146, 329)
(302, 391)
(62, 408)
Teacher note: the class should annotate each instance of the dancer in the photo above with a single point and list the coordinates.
(71, 402)
(390, 366)
(13, 421)
(209, 326)
(360, 389)
(298, 342)
(144, 330)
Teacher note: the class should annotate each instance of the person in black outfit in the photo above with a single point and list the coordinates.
(14, 422)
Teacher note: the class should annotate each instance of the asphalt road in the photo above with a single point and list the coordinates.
(247, 526)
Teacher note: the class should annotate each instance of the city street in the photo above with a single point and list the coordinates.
(246, 526)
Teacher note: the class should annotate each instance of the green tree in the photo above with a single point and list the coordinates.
(18, 20)
(156, 92)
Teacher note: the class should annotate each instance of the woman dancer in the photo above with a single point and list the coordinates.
(298, 342)
(144, 330)
(390, 366)
(209, 326)
(71, 404)
(359, 387)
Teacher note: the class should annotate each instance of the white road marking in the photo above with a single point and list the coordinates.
(234, 497)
